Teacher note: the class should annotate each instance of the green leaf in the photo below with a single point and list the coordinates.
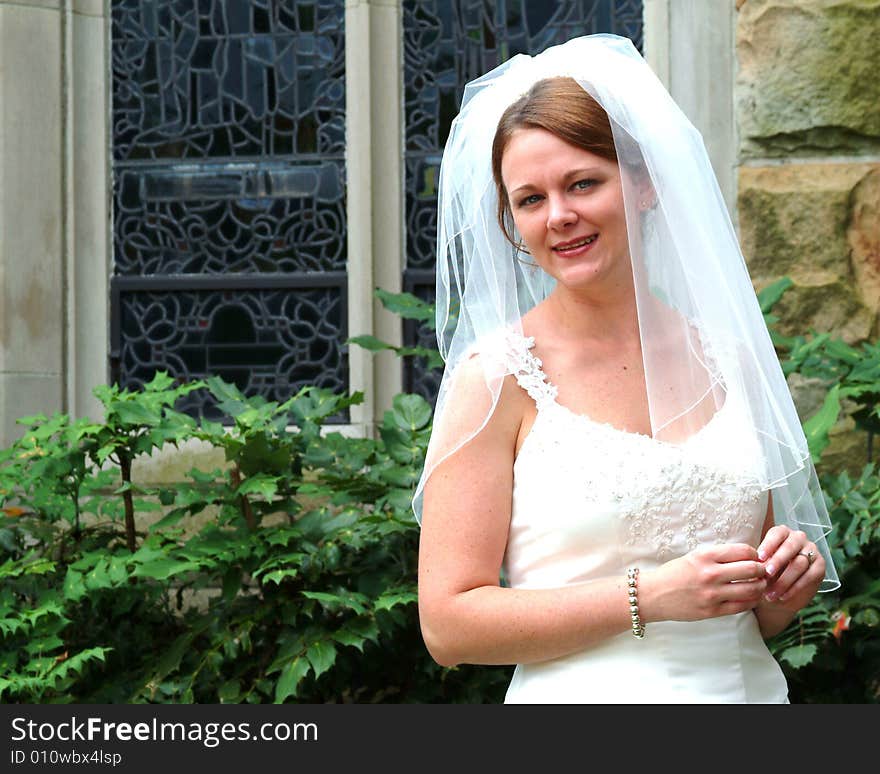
(224, 391)
(321, 656)
(74, 588)
(768, 297)
(389, 600)
(104, 452)
(398, 500)
(799, 655)
(347, 637)
(400, 476)
(411, 412)
(370, 343)
(76, 662)
(42, 645)
(407, 305)
(867, 617)
(276, 576)
(291, 676)
(263, 485)
(229, 692)
(350, 600)
(162, 569)
(170, 660)
(169, 519)
(31, 420)
(160, 382)
(135, 413)
(98, 577)
(817, 426)
(231, 583)
(118, 570)
(29, 565)
(204, 477)
(364, 627)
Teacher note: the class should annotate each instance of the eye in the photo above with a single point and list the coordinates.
(531, 199)
(583, 185)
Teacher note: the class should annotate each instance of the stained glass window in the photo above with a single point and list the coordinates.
(229, 193)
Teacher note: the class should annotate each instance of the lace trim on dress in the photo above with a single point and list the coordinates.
(527, 369)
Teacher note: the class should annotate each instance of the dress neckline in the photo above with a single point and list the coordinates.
(545, 394)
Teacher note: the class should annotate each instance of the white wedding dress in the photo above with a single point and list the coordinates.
(591, 500)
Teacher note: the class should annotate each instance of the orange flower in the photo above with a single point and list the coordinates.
(12, 511)
(841, 624)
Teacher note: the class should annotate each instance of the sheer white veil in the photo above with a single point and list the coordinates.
(704, 341)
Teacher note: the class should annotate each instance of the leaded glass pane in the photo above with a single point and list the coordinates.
(228, 79)
(447, 43)
(219, 218)
(228, 152)
(267, 341)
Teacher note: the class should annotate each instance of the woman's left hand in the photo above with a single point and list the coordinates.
(794, 567)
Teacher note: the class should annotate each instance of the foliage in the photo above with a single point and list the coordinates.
(409, 307)
(287, 575)
(831, 652)
(290, 573)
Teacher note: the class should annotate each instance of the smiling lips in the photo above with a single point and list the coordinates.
(575, 246)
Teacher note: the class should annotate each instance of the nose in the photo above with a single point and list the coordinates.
(560, 213)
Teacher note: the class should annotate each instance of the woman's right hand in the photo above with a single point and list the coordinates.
(708, 582)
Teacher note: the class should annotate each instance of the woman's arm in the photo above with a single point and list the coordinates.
(466, 617)
(793, 580)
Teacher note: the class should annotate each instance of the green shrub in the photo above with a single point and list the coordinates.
(301, 585)
(831, 652)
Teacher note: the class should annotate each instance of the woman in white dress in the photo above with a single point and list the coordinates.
(596, 503)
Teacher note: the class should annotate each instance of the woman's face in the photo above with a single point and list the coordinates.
(567, 205)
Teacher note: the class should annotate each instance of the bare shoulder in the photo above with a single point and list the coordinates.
(470, 403)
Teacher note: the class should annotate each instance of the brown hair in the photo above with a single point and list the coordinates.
(562, 107)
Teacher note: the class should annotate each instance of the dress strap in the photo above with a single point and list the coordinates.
(527, 370)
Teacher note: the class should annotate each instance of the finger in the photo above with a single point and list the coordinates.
(790, 548)
(744, 591)
(737, 572)
(774, 538)
(733, 552)
(793, 571)
(810, 579)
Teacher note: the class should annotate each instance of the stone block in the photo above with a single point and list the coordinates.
(847, 448)
(863, 236)
(813, 223)
(807, 79)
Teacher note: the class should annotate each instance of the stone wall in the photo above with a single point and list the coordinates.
(808, 112)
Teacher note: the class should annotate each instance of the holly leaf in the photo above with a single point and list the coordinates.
(321, 655)
(291, 676)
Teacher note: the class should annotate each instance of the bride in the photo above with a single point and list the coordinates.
(618, 496)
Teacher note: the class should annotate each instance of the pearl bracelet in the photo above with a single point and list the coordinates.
(632, 575)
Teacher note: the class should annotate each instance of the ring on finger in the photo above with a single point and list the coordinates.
(810, 555)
